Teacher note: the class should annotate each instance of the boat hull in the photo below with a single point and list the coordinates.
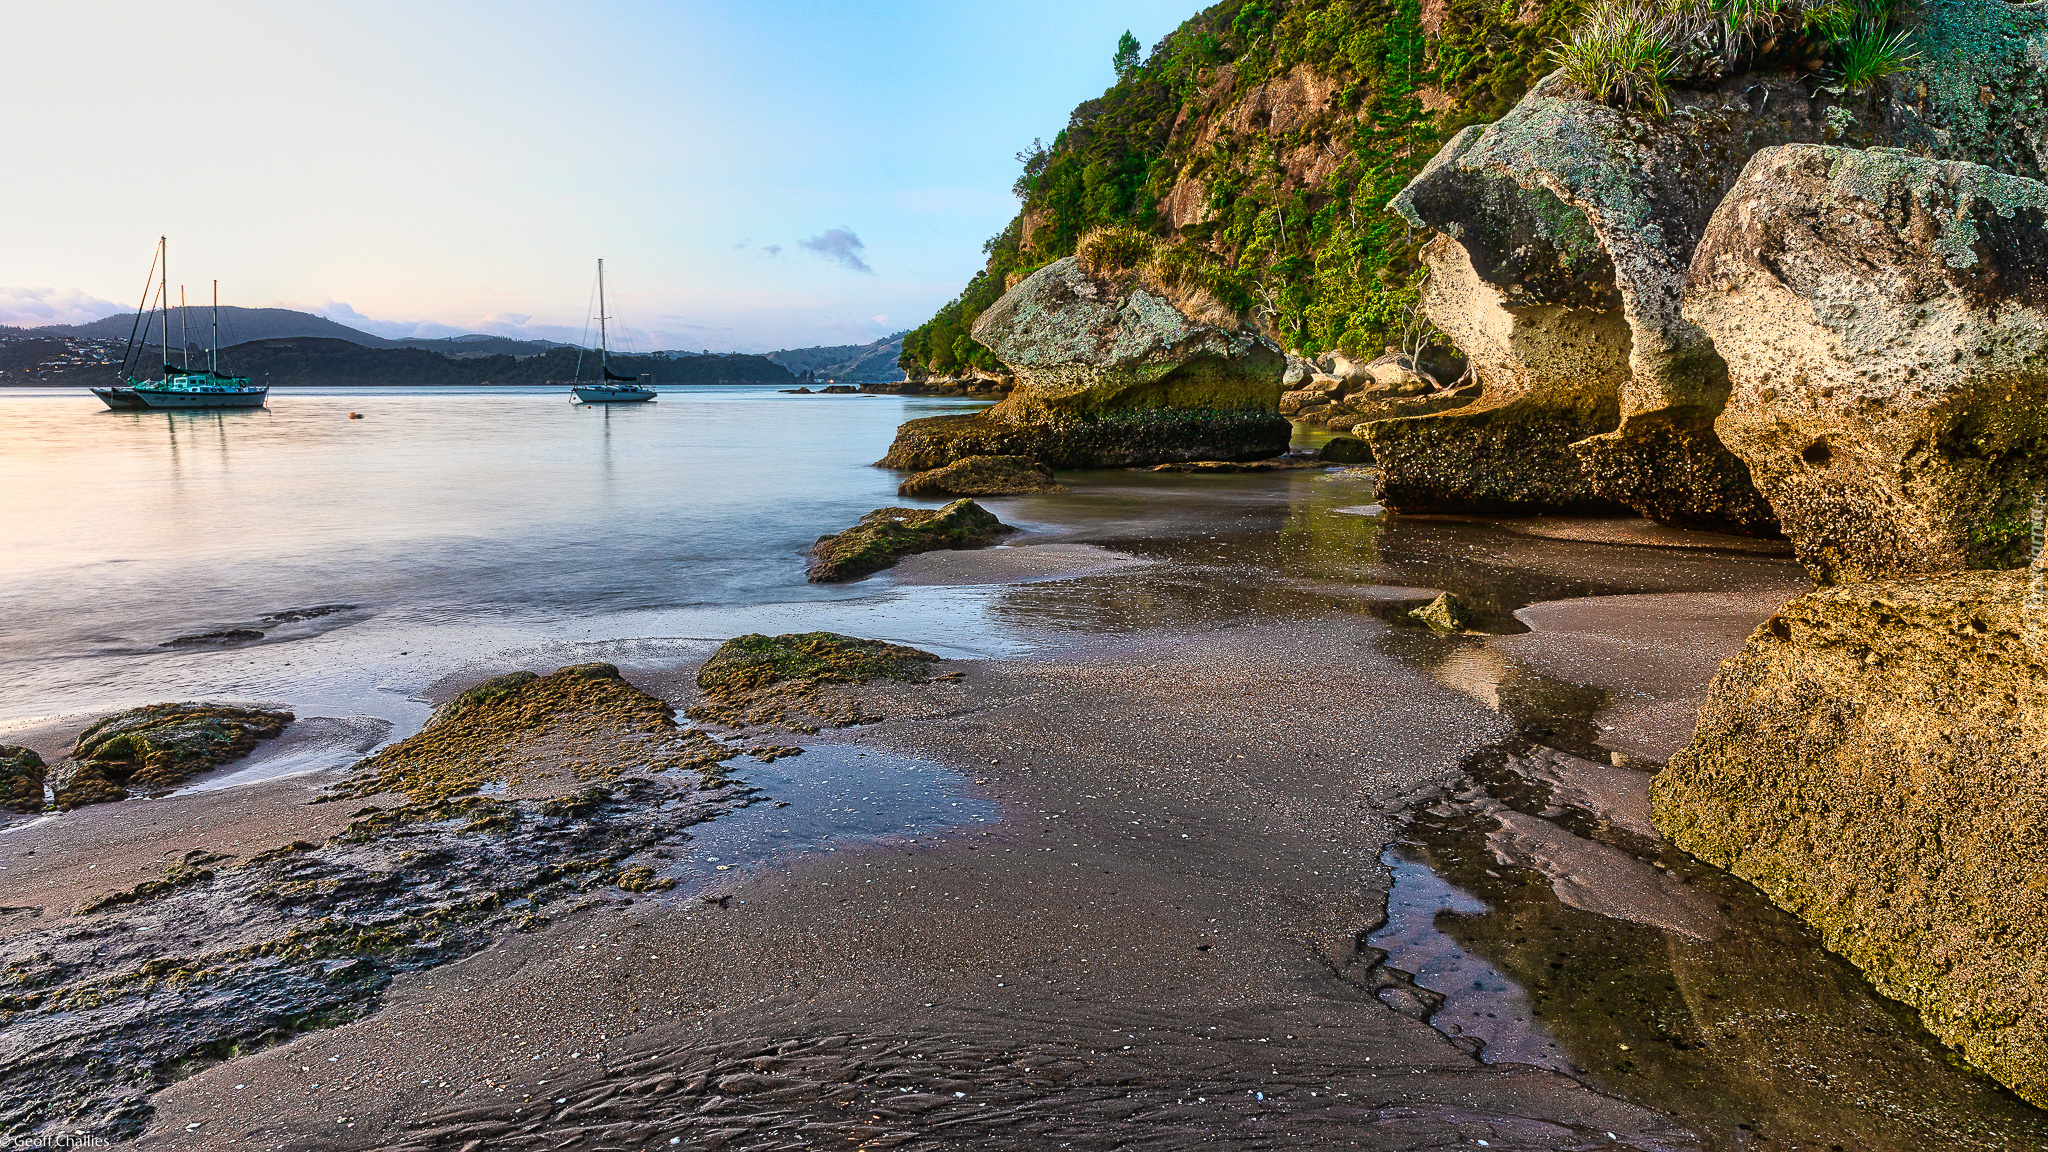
(606, 394)
(196, 398)
(119, 399)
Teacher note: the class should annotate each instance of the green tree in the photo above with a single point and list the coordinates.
(1126, 55)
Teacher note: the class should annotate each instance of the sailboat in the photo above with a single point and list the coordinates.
(181, 386)
(609, 387)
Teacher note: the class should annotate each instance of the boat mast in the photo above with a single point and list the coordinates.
(213, 365)
(163, 296)
(603, 345)
(184, 328)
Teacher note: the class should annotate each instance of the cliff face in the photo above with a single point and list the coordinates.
(1261, 142)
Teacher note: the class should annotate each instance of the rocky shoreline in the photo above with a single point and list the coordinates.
(1176, 929)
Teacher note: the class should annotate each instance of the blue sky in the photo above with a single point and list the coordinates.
(441, 167)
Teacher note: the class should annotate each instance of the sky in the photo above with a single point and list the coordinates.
(759, 175)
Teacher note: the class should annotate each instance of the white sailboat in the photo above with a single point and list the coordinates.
(609, 387)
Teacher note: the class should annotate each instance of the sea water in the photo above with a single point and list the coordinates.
(444, 530)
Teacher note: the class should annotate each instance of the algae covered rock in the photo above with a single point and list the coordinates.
(756, 679)
(1876, 761)
(1446, 613)
(1110, 372)
(983, 476)
(1885, 321)
(886, 535)
(523, 726)
(21, 778)
(157, 747)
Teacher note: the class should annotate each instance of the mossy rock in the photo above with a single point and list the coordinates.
(1446, 613)
(471, 739)
(1873, 761)
(158, 746)
(21, 778)
(983, 476)
(753, 661)
(1124, 439)
(888, 534)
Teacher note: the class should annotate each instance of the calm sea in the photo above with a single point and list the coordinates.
(445, 531)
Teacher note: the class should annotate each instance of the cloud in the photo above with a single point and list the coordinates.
(776, 249)
(840, 246)
(35, 307)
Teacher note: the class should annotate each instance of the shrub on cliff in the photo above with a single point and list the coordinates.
(1258, 145)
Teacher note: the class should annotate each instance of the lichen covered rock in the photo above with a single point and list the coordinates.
(1080, 344)
(886, 535)
(1885, 321)
(156, 747)
(983, 476)
(21, 779)
(1111, 372)
(1876, 761)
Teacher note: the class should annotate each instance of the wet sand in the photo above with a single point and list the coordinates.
(1173, 936)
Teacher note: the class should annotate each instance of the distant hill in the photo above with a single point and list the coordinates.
(847, 363)
(343, 363)
(237, 325)
(479, 345)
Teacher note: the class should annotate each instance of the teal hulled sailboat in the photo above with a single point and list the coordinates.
(609, 387)
(180, 386)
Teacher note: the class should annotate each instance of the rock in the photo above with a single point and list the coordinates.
(1562, 292)
(157, 747)
(21, 779)
(1584, 219)
(1876, 761)
(1398, 374)
(1296, 373)
(886, 535)
(1282, 465)
(224, 636)
(1107, 440)
(1110, 371)
(756, 679)
(795, 391)
(983, 476)
(838, 390)
(1294, 403)
(1446, 613)
(1885, 322)
(1346, 450)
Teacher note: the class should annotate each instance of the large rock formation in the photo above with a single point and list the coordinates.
(1579, 222)
(1885, 320)
(1538, 329)
(1110, 372)
(1876, 760)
